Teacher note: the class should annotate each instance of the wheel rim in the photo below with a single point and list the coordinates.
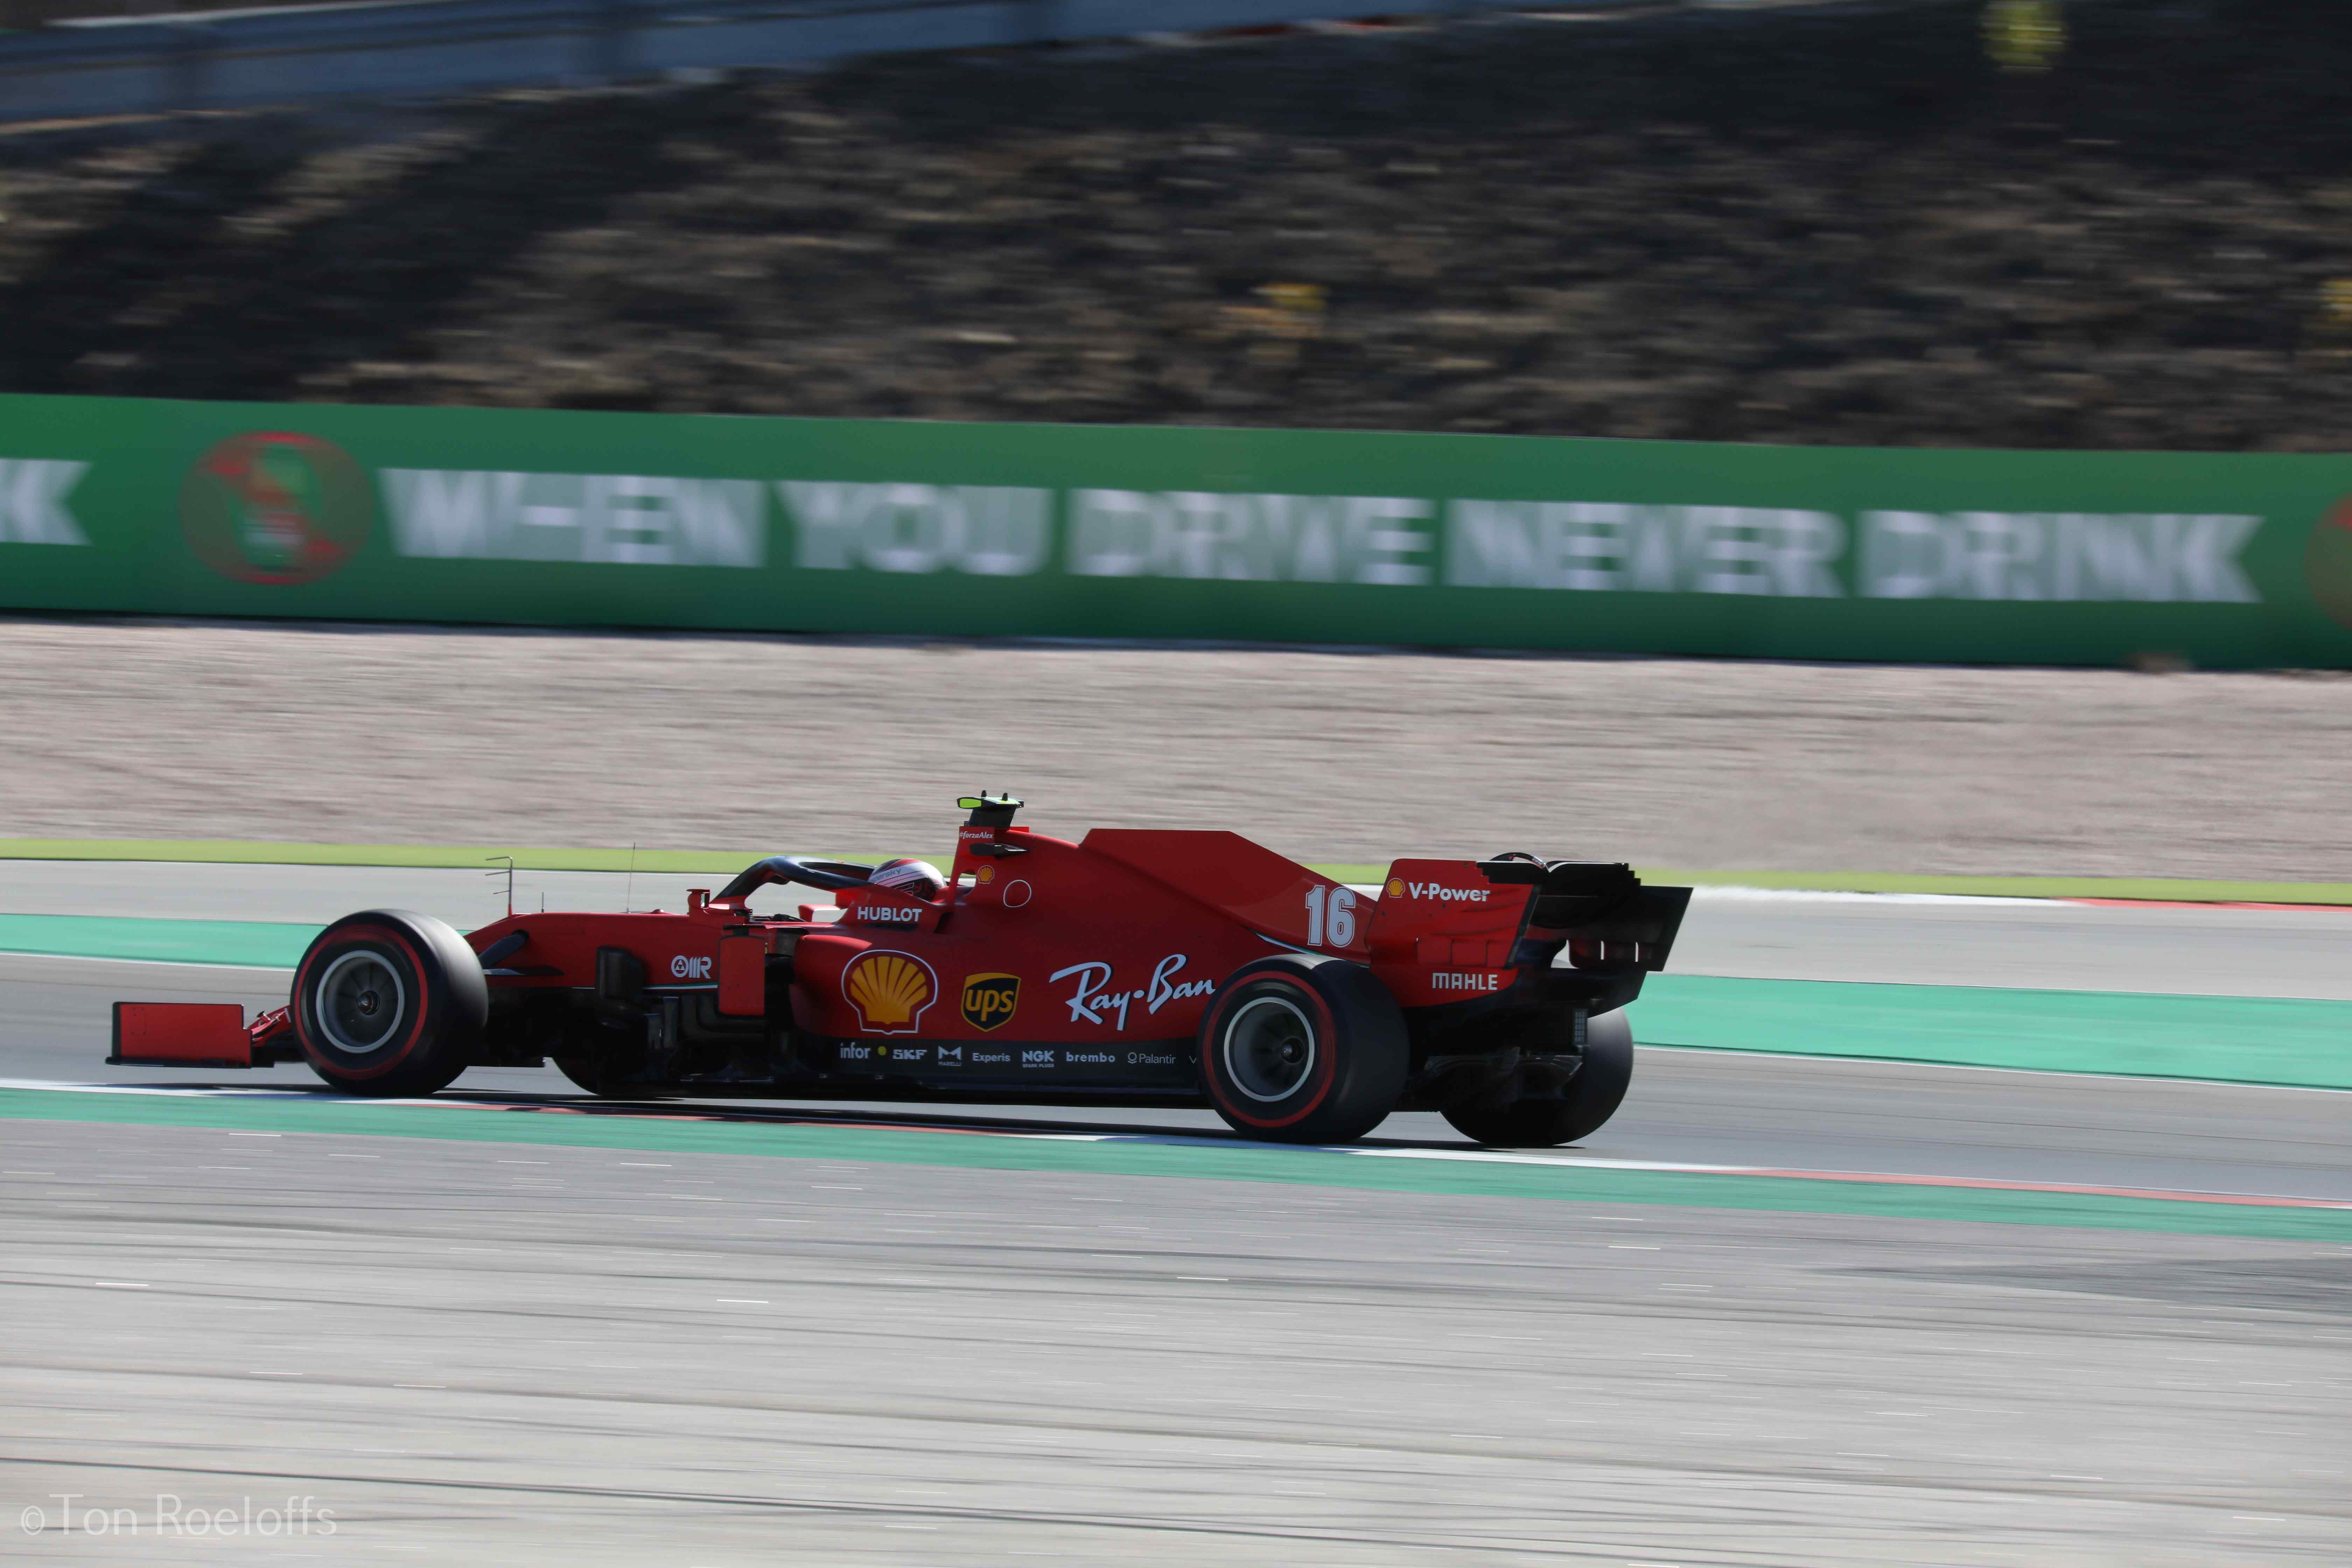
(1269, 1050)
(361, 1003)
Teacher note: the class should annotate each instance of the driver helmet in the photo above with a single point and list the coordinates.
(919, 877)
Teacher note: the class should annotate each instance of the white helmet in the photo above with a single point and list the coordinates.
(919, 877)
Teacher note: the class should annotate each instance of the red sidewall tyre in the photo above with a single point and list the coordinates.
(1280, 987)
(389, 1003)
(1302, 1048)
(1593, 1096)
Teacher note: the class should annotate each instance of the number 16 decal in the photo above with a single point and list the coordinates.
(1341, 905)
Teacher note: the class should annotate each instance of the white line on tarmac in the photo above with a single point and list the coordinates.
(1476, 1155)
(1580, 1161)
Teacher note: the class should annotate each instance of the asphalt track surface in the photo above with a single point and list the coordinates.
(506, 1349)
(1687, 1106)
(514, 1350)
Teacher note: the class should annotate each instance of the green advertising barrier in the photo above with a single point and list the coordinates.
(583, 519)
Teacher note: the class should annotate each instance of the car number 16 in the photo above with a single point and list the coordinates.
(1330, 912)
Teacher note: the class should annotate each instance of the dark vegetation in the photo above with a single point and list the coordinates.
(1799, 225)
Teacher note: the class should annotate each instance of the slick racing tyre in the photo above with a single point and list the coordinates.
(389, 1003)
(1300, 1048)
(603, 1069)
(1591, 1098)
(588, 1073)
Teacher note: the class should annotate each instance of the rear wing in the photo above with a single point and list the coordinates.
(1601, 912)
(1472, 922)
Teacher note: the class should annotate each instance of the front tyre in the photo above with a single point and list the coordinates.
(389, 1003)
(1577, 1111)
(1300, 1048)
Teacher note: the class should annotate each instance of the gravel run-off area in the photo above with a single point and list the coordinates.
(150, 729)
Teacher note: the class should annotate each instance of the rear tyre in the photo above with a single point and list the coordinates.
(601, 1073)
(1590, 1099)
(1300, 1048)
(584, 1072)
(389, 1003)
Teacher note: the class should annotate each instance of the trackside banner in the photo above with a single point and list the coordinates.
(580, 519)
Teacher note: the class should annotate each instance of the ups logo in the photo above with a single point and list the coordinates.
(988, 999)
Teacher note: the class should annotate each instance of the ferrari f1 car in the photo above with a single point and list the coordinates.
(1133, 967)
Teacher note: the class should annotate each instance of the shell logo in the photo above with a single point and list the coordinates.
(985, 875)
(889, 990)
(1395, 889)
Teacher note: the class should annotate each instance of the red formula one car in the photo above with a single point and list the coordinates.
(1134, 967)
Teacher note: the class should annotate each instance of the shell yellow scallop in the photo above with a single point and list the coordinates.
(889, 990)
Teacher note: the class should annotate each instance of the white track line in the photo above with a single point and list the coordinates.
(1472, 1156)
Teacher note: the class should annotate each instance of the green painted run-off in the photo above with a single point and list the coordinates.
(2240, 1039)
(266, 944)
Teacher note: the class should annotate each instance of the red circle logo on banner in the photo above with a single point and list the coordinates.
(276, 507)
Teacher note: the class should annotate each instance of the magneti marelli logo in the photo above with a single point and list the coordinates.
(276, 507)
(2327, 561)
